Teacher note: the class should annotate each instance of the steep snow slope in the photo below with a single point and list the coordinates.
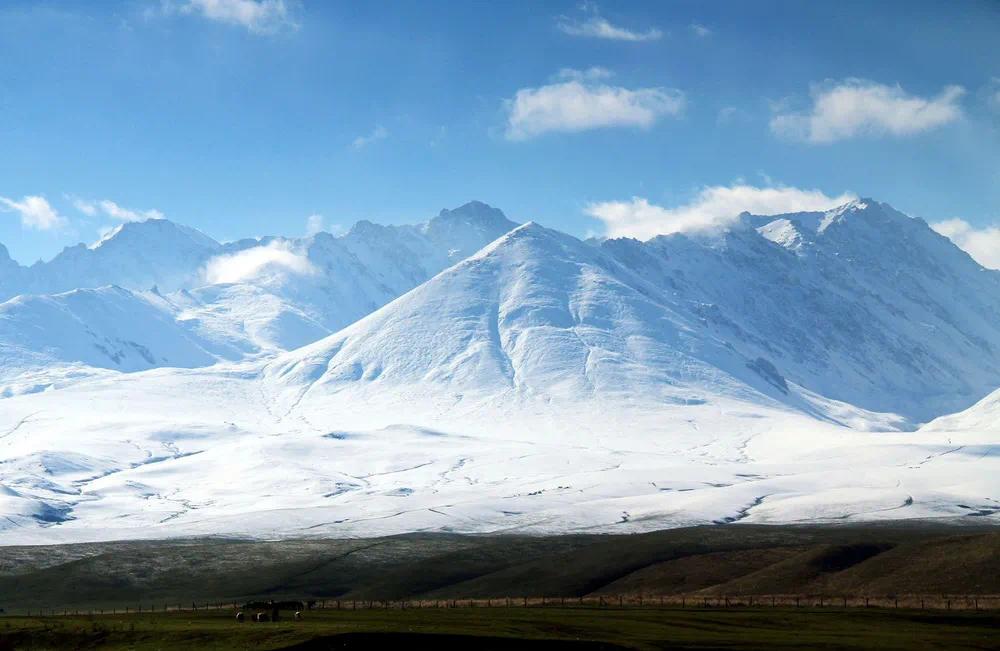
(984, 416)
(106, 328)
(542, 384)
(536, 313)
(340, 279)
(861, 304)
(135, 255)
(11, 275)
(273, 306)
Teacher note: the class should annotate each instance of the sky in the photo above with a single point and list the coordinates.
(253, 117)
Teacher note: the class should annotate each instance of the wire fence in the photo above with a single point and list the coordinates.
(909, 601)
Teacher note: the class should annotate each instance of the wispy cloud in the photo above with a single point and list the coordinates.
(983, 244)
(88, 208)
(590, 24)
(699, 30)
(855, 107)
(257, 16)
(35, 212)
(111, 209)
(379, 133)
(730, 115)
(992, 91)
(590, 74)
(713, 208)
(314, 224)
(580, 105)
(274, 258)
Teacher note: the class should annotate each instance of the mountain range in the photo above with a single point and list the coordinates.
(473, 374)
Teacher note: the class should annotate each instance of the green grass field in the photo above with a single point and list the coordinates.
(520, 628)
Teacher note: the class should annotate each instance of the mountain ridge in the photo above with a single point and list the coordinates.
(765, 373)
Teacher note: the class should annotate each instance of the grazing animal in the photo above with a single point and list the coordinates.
(298, 615)
(261, 617)
(239, 617)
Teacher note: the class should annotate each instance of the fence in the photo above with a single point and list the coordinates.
(913, 602)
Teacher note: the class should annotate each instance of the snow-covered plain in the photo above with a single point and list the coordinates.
(777, 372)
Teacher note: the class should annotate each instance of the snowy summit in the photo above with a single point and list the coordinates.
(472, 374)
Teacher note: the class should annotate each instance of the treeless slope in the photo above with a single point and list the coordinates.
(693, 573)
(951, 565)
(958, 564)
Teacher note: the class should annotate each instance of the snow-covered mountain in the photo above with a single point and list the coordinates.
(134, 255)
(982, 416)
(78, 333)
(227, 300)
(861, 304)
(535, 315)
(472, 375)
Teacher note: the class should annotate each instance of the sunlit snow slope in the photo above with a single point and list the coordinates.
(761, 374)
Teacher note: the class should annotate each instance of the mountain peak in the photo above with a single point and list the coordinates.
(474, 213)
(155, 230)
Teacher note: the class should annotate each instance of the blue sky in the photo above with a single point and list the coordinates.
(246, 118)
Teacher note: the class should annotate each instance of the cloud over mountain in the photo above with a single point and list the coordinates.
(713, 207)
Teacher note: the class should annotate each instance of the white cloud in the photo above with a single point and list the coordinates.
(714, 207)
(113, 210)
(699, 30)
(92, 208)
(257, 16)
(380, 133)
(855, 107)
(88, 208)
(314, 224)
(590, 74)
(255, 262)
(579, 106)
(983, 244)
(593, 25)
(35, 212)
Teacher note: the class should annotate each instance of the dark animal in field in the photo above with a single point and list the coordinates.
(261, 617)
(239, 617)
(298, 615)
